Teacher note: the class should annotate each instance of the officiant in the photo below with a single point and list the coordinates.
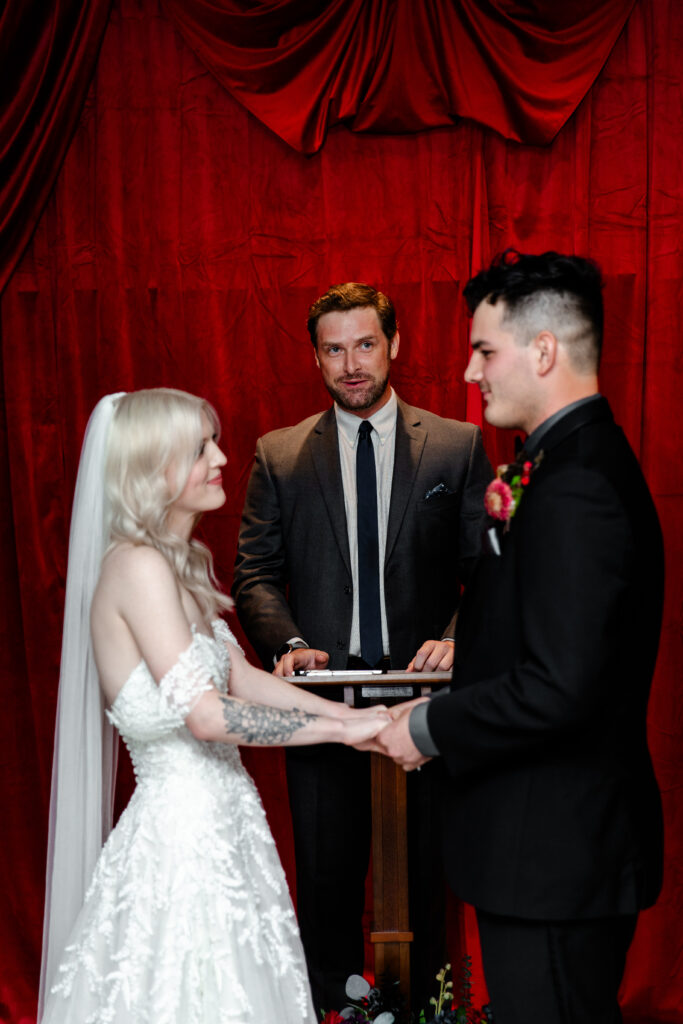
(359, 524)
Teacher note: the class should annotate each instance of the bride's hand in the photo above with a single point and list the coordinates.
(360, 729)
(370, 712)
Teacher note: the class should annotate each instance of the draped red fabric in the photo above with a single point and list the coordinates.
(399, 66)
(182, 245)
(48, 54)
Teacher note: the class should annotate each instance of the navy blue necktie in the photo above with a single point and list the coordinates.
(370, 616)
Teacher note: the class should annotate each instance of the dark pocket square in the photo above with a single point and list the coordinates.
(435, 492)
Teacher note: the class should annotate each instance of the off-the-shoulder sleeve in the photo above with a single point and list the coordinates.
(186, 681)
(223, 633)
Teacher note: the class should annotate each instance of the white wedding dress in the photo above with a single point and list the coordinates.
(188, 918)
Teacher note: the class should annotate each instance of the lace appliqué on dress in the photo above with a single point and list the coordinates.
(188, 679)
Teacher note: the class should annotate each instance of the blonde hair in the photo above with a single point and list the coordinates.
(152, 432)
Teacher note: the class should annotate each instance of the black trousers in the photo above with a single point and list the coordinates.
(557, 972)
(329, 795)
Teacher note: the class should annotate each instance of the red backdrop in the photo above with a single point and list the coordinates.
(182, 245)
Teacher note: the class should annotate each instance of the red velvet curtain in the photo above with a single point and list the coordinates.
(302, 66)
(48, 54)
(182, 244)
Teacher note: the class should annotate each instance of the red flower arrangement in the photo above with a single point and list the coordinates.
(504, 494)
(499, 499)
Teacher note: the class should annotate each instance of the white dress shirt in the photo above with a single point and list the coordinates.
(384, 442)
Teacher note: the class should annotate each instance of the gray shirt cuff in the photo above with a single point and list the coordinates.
(419, 731)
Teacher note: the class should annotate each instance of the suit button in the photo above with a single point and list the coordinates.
(340, 645)
(347, 589)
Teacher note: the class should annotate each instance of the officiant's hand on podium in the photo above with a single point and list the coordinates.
(433, 656)
(301, 658)
(395, 740)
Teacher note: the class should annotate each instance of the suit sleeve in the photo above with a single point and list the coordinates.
(260, 578)
(573, 585)
(472, 514)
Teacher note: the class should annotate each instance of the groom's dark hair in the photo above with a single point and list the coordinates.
(567, 290)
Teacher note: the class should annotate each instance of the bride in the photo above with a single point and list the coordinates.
(184, 915)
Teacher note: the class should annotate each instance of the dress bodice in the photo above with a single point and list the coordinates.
(151, 717)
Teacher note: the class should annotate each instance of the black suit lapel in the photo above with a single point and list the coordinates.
(324, 445)
(563, 430)
(410, 442)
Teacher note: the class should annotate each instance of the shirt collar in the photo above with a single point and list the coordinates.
(383, 421)
(533, 441)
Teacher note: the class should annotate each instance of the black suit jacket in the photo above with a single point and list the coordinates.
(293, 571)
(554, 812)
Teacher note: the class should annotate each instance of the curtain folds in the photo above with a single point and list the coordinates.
(396, 66)
(182, 244)
(301, 67)
(48, 53)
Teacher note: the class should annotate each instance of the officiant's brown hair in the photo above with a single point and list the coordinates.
(340, 298)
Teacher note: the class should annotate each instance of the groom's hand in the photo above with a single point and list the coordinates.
(395, 740)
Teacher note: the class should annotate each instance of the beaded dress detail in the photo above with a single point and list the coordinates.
(188, 918)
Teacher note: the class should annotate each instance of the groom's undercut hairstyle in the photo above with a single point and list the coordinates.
(340, 298)
(550, 291)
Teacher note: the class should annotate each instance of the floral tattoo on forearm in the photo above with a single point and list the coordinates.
(257, 723)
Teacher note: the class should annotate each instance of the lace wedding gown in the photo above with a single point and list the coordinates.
(188, 918)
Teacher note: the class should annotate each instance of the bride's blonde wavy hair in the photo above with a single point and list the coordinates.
(154, 442)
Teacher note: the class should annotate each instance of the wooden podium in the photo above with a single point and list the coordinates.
(391, 934)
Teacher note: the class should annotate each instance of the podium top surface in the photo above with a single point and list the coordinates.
(358, 677)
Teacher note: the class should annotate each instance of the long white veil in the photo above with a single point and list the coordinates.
(84, 759)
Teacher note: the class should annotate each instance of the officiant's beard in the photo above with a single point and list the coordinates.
(363, 397)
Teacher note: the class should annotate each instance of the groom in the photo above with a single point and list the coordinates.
(553, 827)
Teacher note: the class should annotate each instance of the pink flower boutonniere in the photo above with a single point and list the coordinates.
(504, 494)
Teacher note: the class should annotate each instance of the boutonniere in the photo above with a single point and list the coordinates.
(504, 494)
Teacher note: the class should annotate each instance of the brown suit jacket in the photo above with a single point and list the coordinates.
(293, 571)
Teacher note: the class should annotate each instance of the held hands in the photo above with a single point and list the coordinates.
(395, 740)
(301, 658)
(392, 736)
(361, 729)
